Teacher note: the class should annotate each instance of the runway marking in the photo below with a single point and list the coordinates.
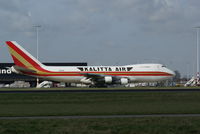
(100, 116)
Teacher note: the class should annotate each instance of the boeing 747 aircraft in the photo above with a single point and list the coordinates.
(26, 64)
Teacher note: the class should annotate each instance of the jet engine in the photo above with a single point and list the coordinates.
(124, 81)
(108, 79)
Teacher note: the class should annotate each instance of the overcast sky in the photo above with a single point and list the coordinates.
(104, 32)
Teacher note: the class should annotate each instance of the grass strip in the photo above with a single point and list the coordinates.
(127, 103)
(178, 125)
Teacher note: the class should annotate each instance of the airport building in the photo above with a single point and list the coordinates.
(7, 77)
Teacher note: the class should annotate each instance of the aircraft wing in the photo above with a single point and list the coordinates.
(100, 79)
(93, 76)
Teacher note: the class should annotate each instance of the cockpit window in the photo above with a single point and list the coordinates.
(163, 66)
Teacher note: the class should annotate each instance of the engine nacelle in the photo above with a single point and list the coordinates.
(108, 79)
(124, 81)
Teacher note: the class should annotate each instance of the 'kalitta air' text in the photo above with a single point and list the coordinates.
(104, 69)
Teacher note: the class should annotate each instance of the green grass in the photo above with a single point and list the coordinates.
(158, 125)
(38, 104)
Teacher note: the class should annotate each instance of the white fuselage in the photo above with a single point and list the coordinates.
(135, 73)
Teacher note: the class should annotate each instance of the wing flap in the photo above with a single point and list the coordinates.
(93, 76)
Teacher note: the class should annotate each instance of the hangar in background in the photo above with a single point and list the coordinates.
(8, 77)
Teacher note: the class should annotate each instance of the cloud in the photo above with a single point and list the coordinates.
(14, 18)
(130, 30)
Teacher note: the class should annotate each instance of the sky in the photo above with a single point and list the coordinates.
(104, 32)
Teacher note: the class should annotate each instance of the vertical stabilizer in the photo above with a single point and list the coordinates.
(21, 57)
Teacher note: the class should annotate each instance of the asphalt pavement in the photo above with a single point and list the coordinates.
(93, 90)
(101, 116)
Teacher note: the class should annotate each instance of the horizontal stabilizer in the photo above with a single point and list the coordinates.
(21, 69)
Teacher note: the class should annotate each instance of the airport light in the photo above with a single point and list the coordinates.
(37, 34)
(37, 44)
(197, 30)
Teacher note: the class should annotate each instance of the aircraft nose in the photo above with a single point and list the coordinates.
(171, 72)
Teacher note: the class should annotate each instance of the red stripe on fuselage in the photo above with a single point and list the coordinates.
(110, 74)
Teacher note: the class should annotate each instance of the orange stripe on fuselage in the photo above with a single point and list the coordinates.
(107, 73)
